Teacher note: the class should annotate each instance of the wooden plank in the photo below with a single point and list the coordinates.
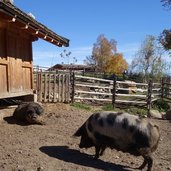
(49, 87)
(122, 82)
(131, 95)
(8, 95)
(27, 78)
(136, 89)
(111, 81)
(157, 84)
(156, 89)
(167, 83)
(89, 92)
(40, 86)
(92, 78)
(59, 88)
(69, 78)
(63, 88)
(156, 94)
(73, 87)
(109, 100)
(45, 87)
(154, 99)
(128, 101)
(4, 86)
(87, 98)
(54, 90)
(94, 86)
(66, 87)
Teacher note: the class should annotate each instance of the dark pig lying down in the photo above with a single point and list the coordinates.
(120, 131)
(30, 113)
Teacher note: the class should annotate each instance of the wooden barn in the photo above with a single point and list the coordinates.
(17, 32)
(71, 67)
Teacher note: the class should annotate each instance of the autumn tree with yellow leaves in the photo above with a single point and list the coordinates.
(116, 64)
(105, 57)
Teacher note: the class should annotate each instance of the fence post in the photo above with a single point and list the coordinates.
(73, 87)
(162, 87)
(114, 91)
(150, 84)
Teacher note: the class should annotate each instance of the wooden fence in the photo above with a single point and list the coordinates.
(166, 88)
(113, 91)
(52, 87)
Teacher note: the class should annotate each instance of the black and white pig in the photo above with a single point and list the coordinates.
(120, 131)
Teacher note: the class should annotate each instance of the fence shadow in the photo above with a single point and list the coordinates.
(76, 157)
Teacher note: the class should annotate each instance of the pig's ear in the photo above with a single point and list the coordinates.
(80, 131)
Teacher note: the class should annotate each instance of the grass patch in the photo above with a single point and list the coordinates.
(81, 106)
(108, 107)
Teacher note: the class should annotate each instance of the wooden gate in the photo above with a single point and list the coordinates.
(52, 87)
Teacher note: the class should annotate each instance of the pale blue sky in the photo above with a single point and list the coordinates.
(82, 21)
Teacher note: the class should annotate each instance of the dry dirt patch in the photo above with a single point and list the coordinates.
(51, 147)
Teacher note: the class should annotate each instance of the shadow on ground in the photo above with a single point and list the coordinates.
(76, 157)
(12, 120)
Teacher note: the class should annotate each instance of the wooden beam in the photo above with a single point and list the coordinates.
(96, 93)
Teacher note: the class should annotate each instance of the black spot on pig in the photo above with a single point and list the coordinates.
(101, 123)
(104, 140)
(96, 116)
(141, 139)
(90, 127)
(132, 128)
(125, 123)
(111, 119)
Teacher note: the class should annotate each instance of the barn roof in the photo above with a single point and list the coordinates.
(13, 14)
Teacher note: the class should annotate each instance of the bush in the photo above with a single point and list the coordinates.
(140, 111)
(161, 105)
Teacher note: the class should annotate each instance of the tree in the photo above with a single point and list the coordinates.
(166, 3)
(65, 54)
(116, 64)
(148, 59)
(90, 60)
(165, 37)
(103, 49)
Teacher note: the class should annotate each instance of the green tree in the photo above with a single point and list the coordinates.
(166, 3)
(148, 59)
(103, 49)
(165, 37)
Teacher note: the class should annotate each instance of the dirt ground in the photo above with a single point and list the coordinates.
(51, 147)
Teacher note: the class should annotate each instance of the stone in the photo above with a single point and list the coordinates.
(155, 114)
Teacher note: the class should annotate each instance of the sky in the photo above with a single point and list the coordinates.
(82, 21)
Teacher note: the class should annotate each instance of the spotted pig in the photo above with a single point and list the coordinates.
(30, 113)
(121, 131)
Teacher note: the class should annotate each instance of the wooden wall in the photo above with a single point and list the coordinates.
(16, 75)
